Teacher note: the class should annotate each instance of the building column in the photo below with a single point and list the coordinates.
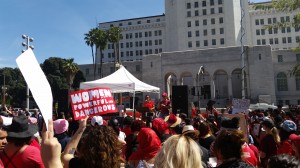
(229, 87)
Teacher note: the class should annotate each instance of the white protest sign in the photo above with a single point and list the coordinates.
(37, 83)
(240, 105)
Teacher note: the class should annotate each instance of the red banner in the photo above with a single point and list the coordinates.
(91, 102)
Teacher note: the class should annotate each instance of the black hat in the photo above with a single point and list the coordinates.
(20, 128)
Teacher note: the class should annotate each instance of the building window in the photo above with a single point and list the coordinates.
(262, 31)
(189, 34)
(213, 31)
(140, 34)
(212, 10)
(158, 20)
(269, 20)
(221, 30)
(288, 29)
(196, 13)
(204, 22)
(256, 22)
(263, 41)
(279, 58)
(281, 19)
(270, 31)
(213, 21)
(213, 42)
(275, 30)
(297, 78)
(197, 43)
(220, 10)
(188, 5)
(203, 3)
(189, 14)
(257, 32)
(298, 57)
(283, 30)
(276, 40)
(120, 24)
(283, 40)
(159, 32)
(197, 33)
(190, 44)
(136, 52)
(271, 41)
(189, 24)
(221, 20)
(212, 2)
(129, 23)
(196, 4)
(287, 18)
(297, 39)
(282, 82)
(139, 22)
(205, 43)
(222, 41)
(197, 23)
(258, 42)
(148, 21)
(274, 20)
(289, 39)
(220, 2)
(204, 12)
(136, 43)
(204, 32)
(262, 22)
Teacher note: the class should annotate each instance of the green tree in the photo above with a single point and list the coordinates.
(101, 39)
(90, 39)
(285, 6)
(114, 36)
(70, 69)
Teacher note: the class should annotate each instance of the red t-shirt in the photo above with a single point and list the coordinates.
(30, 157)
(249, 155)
(127, 131)
(149, 105)
(164, 109)
(285, 147)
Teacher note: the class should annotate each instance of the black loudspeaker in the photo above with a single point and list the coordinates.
(180, 99)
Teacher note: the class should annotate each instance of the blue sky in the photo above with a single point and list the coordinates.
(58, 26)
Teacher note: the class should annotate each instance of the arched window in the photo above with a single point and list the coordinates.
(282, 82)
(297, 78)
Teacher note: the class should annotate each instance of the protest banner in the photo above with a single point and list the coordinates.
(37, 83)
(240, 105)
(91, 102)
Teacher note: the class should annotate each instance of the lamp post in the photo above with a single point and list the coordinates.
(200, 72)
(27, 45)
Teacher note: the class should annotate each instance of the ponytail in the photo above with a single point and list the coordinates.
(275, 135)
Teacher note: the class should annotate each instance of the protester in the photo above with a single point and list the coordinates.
(96, 121)
(60, 129)
(269, 143)
(100, 148)
(228, 149)
(128, 120)
(148, 103)
(190, 132)
(287, 128)
(114, 123)
(164, 105)
(161, 128)
(179, 151)
(149, 146)
(3, 135)
(283, 161)
(131, 140)
(173, 121)
(18, 152)
(205, 137)
(295, 139)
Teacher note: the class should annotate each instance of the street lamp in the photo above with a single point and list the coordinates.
(27, 45)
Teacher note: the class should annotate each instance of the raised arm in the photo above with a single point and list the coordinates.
(69, 151)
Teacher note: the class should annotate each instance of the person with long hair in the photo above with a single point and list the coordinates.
(99, 148)
(269, 143)
(206, 137)
(179, 151)
(228, 149)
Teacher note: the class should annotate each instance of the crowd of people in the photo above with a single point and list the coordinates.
(166, 140)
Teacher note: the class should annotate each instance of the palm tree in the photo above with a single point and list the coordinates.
(70, 69)
(90, 41)
(101, 38)
(114, 36)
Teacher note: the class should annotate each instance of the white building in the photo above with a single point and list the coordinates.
(192, 33)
